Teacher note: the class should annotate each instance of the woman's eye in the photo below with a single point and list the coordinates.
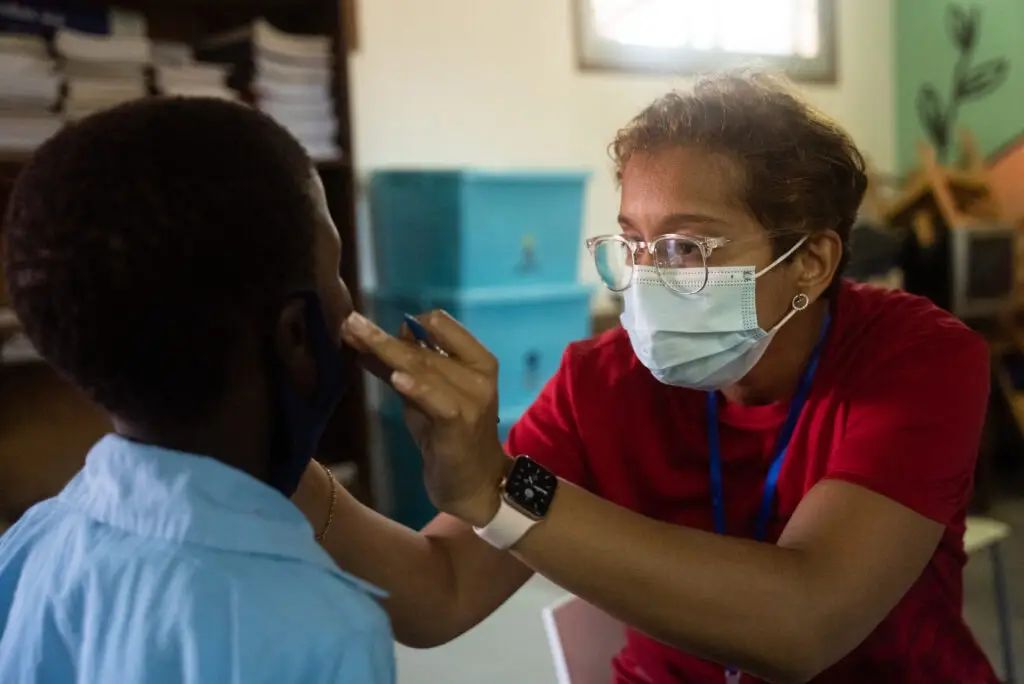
(679, 249)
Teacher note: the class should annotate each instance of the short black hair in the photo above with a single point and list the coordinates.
(142, 242)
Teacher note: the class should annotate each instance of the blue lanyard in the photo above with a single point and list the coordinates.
(781, 446)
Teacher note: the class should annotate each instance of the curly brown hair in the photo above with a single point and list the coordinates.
(800, 171)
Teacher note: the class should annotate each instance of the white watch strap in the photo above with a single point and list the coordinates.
(507, 527)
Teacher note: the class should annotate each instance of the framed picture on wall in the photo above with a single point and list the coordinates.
(685, 37)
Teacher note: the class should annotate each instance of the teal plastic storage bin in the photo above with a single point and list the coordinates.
(526, 328)
(412, 506)
(468, 229)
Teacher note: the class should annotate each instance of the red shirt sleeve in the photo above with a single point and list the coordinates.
(914, 425)
(548, 432)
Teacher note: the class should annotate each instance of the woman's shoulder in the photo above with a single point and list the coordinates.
(604, 369)
(608, 353)
(878, 327)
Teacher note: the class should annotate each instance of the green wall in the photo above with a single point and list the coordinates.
(926, 53)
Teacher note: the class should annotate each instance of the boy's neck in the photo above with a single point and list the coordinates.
(229, 446)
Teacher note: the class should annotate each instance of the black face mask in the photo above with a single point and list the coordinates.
(298, 423)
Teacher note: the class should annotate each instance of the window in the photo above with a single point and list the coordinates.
(689, 36)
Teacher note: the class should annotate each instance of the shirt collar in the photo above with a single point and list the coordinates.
(179, 497)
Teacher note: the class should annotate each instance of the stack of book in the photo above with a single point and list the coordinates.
(102, 71)
(15, 347)
(18, 350)
(176, 72)
(289, 76)
(29, 92)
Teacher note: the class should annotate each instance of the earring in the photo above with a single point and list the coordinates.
(801, 302)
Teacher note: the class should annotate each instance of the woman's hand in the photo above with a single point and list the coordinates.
(313, 495)
(452, 409)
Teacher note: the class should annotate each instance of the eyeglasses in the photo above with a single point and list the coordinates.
(615, 257)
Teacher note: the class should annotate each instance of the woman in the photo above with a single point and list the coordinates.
(765, 471)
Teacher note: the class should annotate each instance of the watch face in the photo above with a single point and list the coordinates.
(530, 487)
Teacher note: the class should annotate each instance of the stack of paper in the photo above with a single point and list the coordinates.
(289, 76)
(29, 92)
(102, 71)
(18, 350)
(176, 72)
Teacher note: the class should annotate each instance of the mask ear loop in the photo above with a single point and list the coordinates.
(782, 258)
(800, 302)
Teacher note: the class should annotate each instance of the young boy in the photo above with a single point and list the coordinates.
(176, 260)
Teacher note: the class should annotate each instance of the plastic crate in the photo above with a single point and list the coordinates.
(468, 229)
(527, 329)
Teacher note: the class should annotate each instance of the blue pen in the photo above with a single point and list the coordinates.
(421, 334)
(423, 337)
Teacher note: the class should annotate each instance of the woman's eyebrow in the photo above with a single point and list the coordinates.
(691, 219)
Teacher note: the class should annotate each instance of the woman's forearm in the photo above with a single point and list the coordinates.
(439, 583)
(784, 612)
(726, 599)
(415, 572)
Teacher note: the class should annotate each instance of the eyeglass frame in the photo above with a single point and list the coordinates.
(707, 245)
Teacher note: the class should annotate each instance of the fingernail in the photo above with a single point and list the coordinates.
(402, 381)
(358, 323)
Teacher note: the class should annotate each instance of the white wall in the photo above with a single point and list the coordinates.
(493, 83)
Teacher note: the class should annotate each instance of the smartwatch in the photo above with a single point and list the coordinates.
(526, 495)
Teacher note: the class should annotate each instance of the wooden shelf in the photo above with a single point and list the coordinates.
(341, 163)
(19, 353)
(14, 351)
(9, 324)
(46, 428)
(13, 157)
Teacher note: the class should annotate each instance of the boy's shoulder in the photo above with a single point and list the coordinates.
(270, 595)
(323, 625)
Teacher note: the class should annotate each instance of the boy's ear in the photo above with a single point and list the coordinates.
(291, 345)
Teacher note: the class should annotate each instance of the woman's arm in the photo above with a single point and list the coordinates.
(440, 582)
(783, 613)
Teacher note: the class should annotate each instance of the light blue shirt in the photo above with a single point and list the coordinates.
(156, 567)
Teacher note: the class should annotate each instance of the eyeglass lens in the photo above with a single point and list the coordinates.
(613, 258)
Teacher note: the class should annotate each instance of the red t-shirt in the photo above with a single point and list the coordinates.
(897, 406)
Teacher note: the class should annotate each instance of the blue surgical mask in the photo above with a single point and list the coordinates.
(707, 340)
(299, 422)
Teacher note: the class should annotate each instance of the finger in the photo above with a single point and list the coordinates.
(412, 359)
(406, 333)
(382, 372)
(459, 342)
(395, 353)
(349, 339)
(468, 380)
(375, 367)
(435, 399)
(352, 341)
